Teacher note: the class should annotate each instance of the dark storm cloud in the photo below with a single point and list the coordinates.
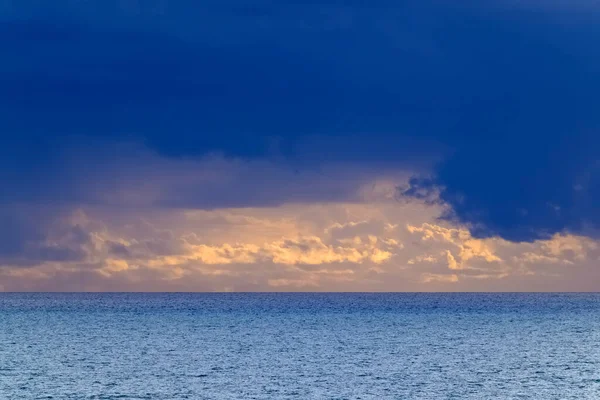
(511, 88)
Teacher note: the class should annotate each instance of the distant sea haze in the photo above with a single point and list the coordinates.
(299, 346)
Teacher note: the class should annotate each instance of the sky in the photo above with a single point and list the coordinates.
(328, 145)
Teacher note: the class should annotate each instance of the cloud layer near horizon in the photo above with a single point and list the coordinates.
(379, 244)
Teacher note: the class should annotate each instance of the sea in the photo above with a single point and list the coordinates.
(299, 346)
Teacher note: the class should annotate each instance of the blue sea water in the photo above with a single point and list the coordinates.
(300, 346)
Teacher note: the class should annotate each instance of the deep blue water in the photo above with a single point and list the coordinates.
(300, 346)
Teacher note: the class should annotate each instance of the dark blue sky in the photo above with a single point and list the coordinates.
(502, 96)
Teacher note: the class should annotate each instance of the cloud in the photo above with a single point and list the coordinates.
(499, 189)
(428, 278)
(28, 237)
(369, 246)
(131, 175)
(466, 247)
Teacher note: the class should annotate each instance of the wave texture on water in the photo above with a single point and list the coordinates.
(299, 346)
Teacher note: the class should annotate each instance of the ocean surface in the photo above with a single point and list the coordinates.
(300, 346)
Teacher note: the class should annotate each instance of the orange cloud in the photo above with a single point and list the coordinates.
(384, 245)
